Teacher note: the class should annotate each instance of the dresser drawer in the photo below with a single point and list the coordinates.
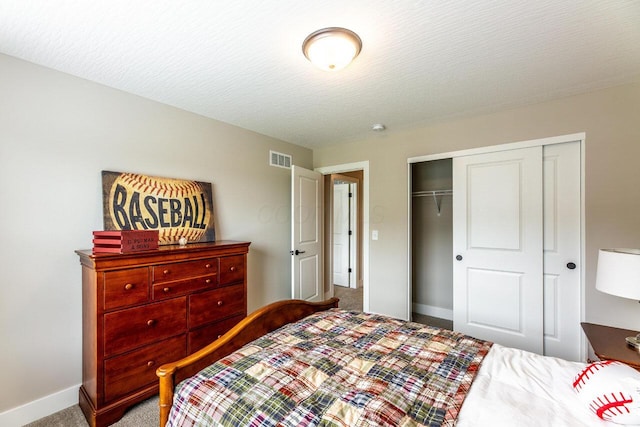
(134, 327)
(126, 287)
(205, 335)
(182, 287)
(137, 369)
(231, 269)
(221, 303)
(185, 270)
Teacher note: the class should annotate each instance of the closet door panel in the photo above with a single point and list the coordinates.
(552, 310)
(562, 239)
(494, 204)
(497, 242)
(487, 289)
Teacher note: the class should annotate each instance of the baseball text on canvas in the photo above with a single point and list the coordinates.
(177, 208)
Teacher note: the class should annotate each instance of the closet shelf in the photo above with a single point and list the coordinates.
(434, 194)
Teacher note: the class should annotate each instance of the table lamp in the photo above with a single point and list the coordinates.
(619, 274)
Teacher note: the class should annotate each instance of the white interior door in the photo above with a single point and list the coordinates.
(497, 242)
(306, 234)
(562, 261)
(341, 220)
(353, 235)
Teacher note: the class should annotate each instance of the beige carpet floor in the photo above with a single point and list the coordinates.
(350, 299)
(141, 415)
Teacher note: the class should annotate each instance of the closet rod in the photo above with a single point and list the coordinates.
(435, 195)
(432, 193)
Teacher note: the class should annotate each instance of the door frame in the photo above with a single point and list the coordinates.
(364, 188)
(575, 137)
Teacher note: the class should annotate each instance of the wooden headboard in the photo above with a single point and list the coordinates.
(255, 325)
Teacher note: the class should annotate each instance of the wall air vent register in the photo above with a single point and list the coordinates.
(279, 160)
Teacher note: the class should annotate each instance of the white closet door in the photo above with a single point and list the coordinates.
(562, 249)
(497, 242)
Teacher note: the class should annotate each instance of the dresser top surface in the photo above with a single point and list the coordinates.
(164, 253)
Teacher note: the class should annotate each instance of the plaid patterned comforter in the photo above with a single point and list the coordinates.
(336, 368)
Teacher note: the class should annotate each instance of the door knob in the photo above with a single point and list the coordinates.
(571, 265)
(459, 257)
(297, 252)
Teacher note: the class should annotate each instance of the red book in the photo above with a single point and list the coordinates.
(107, 249)
(124, 241)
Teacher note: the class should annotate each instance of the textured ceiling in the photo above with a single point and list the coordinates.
(422, 60)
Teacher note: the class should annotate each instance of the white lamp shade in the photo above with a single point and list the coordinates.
(619, 272)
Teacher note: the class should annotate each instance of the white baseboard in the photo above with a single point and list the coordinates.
(430, 310)
(32, 411)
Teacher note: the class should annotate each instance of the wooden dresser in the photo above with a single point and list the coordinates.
(143, 309)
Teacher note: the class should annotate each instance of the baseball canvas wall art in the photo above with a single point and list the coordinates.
(176, 208)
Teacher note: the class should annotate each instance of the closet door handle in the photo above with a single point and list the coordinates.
(459, 257)
(571, 265)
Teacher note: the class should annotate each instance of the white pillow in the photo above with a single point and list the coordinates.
(611, 390)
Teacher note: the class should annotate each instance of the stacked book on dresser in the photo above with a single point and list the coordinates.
(124, 241)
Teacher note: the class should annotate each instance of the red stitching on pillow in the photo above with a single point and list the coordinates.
(611, 406)
(585, 374)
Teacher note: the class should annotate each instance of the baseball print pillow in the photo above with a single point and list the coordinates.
(611, 390)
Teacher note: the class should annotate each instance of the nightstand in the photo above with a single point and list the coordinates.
(608, 343)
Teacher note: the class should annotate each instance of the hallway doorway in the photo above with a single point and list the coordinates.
(358, 284)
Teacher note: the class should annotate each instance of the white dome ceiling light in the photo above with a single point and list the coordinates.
(332, 49)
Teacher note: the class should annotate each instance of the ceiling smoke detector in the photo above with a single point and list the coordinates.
(378, 127)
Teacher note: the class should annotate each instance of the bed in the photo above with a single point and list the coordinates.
(299, 363)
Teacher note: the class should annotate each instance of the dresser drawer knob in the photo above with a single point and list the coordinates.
(128, 286)
(219, 336)
(208, 266)
(207, 281)
(165, 272)
(232, 268)
(151, 322)
(150, 363)
(165, 290)
(220, 303)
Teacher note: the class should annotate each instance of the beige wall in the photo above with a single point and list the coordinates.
(611, 120)
(57, 133)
